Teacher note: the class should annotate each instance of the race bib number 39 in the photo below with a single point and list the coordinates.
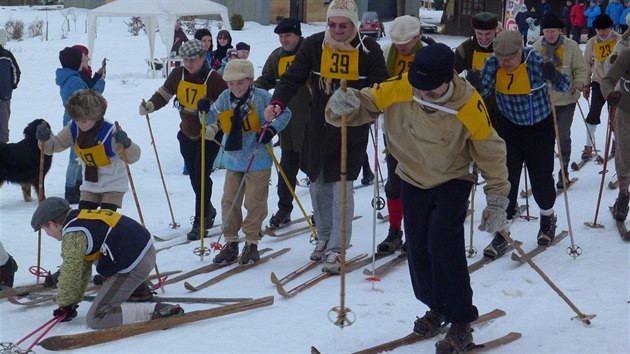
(340, 64)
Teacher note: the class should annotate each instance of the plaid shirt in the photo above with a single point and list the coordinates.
(523, 109)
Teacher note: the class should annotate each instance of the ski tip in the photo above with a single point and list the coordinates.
(189, 286)
(281, 291)
(274, 278)
(516, 258)
(314, 350)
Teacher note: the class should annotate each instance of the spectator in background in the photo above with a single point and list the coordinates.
(231, 54)
(566, 18)
(614, 10)
(578, 20)
(591, 13)
(542, 8)
(521, 21)
(9, 79)
(205, 36)
(623, 19)
(179, 37)
(243, 50)
(86, 70)
(224, 42)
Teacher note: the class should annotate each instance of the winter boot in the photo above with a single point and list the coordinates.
(620, 208)
(458, 339)
(368, 178)
(392, 242)
(194, 233)
(279, 219)
(142, 293)
(73, 195)
(166, 310)
(210, 217)
(612, 149)
(228, 254)
(497, 247)
(320, 250)
(587, 153)
(547, 229)
(430, 324)
(7, 273)
(333, 263)
(559, 184)
(250, 253)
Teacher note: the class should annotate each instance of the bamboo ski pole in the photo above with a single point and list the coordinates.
(174, 224)
(586, 319)
(574, 251)
(135, 198)
(202, 250)
(611, 114)
(342, 311)
(292, 190)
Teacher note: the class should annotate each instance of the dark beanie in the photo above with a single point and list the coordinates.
(242, 46)
(602, 21)
(485, 21)
(70, 58)
(432, 66)
(202, 32)
(289, 25)
(551, 20)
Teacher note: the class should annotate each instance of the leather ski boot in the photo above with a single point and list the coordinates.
(228, 254)
(7, 273)
(162, 310)
(547, 229)
(458, 339)
(620, 208)
(142, 293)
(250, 254)
(497, 247)
(279, 220)
(430, 324)
(392, 243)
(587, 153)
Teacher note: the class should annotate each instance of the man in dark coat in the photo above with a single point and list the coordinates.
(9, 79)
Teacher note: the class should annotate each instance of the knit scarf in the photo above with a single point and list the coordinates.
(234, 140)
(550, 50)
(88, 139)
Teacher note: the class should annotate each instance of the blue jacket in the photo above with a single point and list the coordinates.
(238, 160)
(9, 74)
(69, 81)
(591, 13)
(614, 10)
(622, 17)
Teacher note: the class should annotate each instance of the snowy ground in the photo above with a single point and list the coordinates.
(596, 282)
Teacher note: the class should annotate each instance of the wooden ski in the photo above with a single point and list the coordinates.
(540, 248)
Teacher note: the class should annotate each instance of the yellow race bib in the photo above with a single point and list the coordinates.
(515, 82)
(402, 63)
(188, 94)
(604, 49)
(475, 117)
(479, 58)
(336, 64)
(94, 156)
(560, 52)
(107, 216)
(250, 124)
(392, 90)
(284, 63)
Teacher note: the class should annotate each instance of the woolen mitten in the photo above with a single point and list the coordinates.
(43, 132)
(120, 137)
(494, 216)
(343, 102)
(146, 108)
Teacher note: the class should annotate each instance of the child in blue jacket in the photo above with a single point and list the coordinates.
(239, 113)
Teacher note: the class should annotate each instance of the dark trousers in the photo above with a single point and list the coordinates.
(597, 103)
(290, 163)
(434, 225)
(533, 146)
(191, 152)
(367, 170)
(577, 33)
(392, 186)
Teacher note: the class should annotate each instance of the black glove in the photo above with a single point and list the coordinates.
(549, 71)
(70, 310)
(52, 279)
(203, 105)
(43, 132)
(474, 78)
(269, 133)
(613, 98)
(120, 137)
(613, 58)
(98, 279)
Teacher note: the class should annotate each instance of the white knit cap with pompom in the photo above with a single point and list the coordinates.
(345, 8)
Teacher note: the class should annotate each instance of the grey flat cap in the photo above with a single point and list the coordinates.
(49, 209)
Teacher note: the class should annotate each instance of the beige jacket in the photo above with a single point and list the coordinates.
(573, 65)
(595, 69)
(433, 147)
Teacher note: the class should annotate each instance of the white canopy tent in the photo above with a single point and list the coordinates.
(156, 14)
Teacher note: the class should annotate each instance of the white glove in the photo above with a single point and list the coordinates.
(343, 102)
(494, 216)
(146, 108)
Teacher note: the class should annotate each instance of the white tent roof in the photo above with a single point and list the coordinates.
(156, 14)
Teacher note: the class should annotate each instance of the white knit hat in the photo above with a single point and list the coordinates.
(345, 8)
(404, 29)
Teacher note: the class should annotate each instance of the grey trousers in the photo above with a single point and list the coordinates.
(326, 200)
(565, 119)
(5, 113)
(105, 311)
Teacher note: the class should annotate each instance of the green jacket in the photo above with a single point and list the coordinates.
(292, 136)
